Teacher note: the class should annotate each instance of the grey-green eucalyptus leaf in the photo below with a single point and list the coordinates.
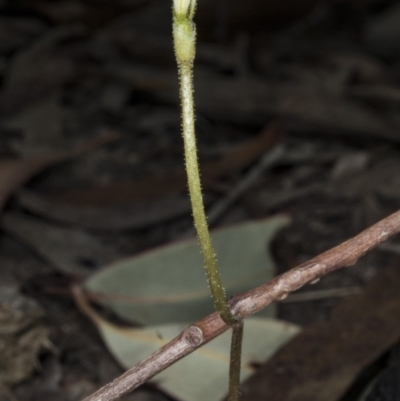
(203, 374)
(168, 285)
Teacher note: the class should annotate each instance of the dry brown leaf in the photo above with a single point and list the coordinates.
(246, 154)
(252, 101)
(137, 215)
(324, 360)
(28, 64)
(147, 187)
(15, 172)
(34, 73)
(69, 250)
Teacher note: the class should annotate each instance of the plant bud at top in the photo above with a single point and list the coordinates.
(185, 41)
(184, 8)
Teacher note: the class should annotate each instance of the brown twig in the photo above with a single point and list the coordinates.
(245, 304)
(266, 162)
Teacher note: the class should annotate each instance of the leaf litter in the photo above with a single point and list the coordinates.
(15, 172)
(22, 335)
(69, 250)
(326, 358)
(111, 218)
(179, 296)
(200, 374)
(148, 187)
(328, 85)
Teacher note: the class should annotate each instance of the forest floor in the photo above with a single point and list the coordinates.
(301, 119)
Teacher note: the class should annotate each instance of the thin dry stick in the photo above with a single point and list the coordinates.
(246, 304)
(268, 160)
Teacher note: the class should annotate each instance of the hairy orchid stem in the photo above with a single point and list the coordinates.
(196, 197)
(235, 361)
(184, 40)
(184, 33)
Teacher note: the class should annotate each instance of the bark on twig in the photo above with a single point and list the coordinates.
(246, 304)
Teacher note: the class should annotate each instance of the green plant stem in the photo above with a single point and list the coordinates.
(184, 41)
(196, 197)
(200, 221)
(235, 361)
